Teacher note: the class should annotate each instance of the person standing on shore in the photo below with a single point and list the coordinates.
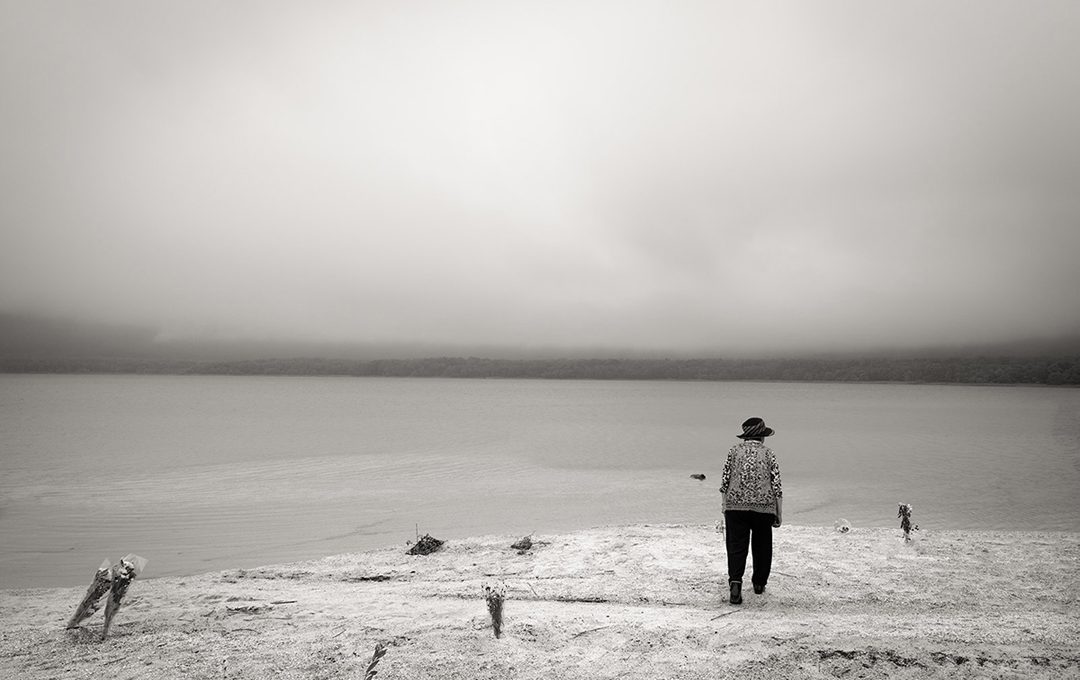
(753, 502)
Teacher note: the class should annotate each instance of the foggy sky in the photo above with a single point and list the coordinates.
(710, 175)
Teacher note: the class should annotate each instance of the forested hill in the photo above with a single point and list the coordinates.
(1063, 370)
(41, 345)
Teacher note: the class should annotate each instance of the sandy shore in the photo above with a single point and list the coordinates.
(646, 601)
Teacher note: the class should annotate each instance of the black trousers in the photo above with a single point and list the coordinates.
(748, 530)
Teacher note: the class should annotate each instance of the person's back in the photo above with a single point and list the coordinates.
(753, 502)
(752, 478)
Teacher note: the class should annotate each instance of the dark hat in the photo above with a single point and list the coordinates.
(755, 427)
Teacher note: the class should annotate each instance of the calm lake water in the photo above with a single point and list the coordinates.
(204, 473)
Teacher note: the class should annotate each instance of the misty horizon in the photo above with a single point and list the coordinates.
(720, 179)
(27, 337)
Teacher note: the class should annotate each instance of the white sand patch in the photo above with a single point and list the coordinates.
(640, 601)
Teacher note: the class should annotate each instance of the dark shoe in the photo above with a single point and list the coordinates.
(759, 589)
(736, 592)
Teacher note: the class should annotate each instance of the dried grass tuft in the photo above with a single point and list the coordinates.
(495, 596)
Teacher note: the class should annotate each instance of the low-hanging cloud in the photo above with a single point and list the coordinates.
(699, 176)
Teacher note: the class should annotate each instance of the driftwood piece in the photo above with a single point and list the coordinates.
(91, 602)
(122, 575)
(426, 545)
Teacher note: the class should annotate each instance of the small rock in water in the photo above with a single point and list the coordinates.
(698, 477)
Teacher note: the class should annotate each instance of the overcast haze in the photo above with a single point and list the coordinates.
(719, 176)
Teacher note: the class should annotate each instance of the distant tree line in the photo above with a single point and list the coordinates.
(975, 370)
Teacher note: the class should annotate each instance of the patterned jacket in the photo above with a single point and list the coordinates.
(751, 479)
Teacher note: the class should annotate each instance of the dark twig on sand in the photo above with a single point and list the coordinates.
(588, 600)
(590, 630)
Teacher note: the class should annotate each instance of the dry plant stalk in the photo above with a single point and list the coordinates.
(495, 596)
(380, 652)
(905, 521)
